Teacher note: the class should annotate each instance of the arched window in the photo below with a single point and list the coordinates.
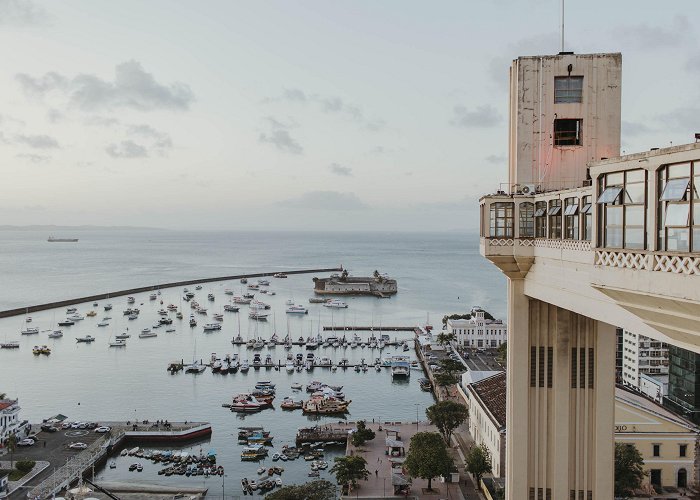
(527, 219)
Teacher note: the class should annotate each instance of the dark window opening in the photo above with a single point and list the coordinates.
(567, 132)
(656, 450)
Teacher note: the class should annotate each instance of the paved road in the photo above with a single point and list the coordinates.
(51, 447)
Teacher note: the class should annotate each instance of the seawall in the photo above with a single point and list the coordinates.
(130, 291)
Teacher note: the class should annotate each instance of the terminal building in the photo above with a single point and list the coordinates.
(589, 241)
(479, 330)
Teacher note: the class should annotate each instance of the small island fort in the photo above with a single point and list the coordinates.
(378, 284)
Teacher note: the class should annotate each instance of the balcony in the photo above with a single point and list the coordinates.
(630, 240)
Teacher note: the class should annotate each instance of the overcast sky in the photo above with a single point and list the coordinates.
(300, 114)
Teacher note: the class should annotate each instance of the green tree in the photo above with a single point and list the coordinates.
(629, 470)
(503, 351)
(315, 490)
(478, 462)
(447, 416)
(427, 457)
(349, 469)
(11, 446)
(362, 434)
(451, 366)
(445, 379)
(445, 338)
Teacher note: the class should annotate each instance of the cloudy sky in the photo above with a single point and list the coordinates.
(300, 115)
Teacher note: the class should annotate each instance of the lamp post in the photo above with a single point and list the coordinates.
(384, 488)
(223, 487)
(416, 405)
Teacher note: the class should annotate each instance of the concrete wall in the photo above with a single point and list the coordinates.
(533, 158)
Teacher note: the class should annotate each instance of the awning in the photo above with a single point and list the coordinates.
(393, 443)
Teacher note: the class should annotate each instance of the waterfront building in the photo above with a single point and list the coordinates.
(589, 241)
(379, 285)
(479, 330)
(642, 356)
(667, 442)
(9, 419)
(486, 400)
(683, 394)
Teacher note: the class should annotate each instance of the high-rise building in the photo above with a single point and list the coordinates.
(642, 356)
(683, 395)
(589, 241)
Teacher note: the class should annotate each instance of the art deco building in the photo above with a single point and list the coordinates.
(589, 241)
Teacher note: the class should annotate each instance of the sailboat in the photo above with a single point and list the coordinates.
(197, 366)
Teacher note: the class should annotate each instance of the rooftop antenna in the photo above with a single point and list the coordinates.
(562, 26)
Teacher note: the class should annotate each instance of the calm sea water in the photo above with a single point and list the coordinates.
(437, 274)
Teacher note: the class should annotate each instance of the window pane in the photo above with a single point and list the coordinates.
(540, 212)
(613, 215)
(634, 237)
(679, 170)
(554, 210)
(677, 214)
(568, 89)
(571, 210)
(696, 214)
(567, 132)
(586, 208)
(675, 189)
(634, 193)
(696, 182)
(696, 239)
(615, 179)
(634, 215)
(613, 237)
(635, 175)
(677, 240)
(610, 194)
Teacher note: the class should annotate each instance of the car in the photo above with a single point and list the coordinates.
(66, 425)
(431, 357)
(480, 351)
(78, 446)
(103, 429)
(75, 425)
(92, 425)
(48, 428)
(83, 425)
(26, 442)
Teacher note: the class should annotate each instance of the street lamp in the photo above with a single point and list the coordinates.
(416, 405)
(223, 488)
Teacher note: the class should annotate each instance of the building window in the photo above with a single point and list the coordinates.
(554, 214)
(502, 219)
(656, 450)
(527, 219)
(683, 450)
(679, 207)
(541, 219)
(571, 219)
(587, 216)
(567, 131)
(622, 215)
(568, 89)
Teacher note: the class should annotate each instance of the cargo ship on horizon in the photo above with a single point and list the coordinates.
(62, 240)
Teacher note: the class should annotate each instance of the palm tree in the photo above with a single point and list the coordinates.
(11, 445)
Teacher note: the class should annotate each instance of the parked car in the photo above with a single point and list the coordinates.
(48, 428)
(66, 425)
(26, 442)
(78, 446)
(92, 425)
(103, 429)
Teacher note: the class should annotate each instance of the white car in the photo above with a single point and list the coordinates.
(26, 442)
(78, 446)
(103, 429)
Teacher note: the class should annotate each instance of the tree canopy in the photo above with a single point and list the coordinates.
(629, 469)
(362, 434)
(447, 416)
(427, 457)
(478, 462)
(445, 338)
(314, 490)
(349, 469)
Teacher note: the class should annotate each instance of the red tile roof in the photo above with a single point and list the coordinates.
(492, 393)
(6, 403)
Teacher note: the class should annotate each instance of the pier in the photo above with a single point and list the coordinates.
(151, 288)
(101, 448)
(324, 434)
(370, 329)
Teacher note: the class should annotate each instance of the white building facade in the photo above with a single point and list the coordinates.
(9, 419)
(478, 331)
(642, 356)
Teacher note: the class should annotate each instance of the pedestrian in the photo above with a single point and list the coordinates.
(376, 472)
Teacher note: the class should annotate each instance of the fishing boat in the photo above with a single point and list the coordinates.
(245, 366)
(247, 403)
(86, 339)
(66, 322)
(400, 367)
(253, 453)
(319, 405)
(291, 404)
(10, 345)
(259, 316)
(91, 314)
(130, 300)
(242, 300)
(210, 327)
(231, 308)
(146, 333)
(244, 280)
(279, 275)
(122, 336)
(193, 322)
(195, 367)
(56, 334)
(258, 304)
(218, 317)
(30, 331)
(118, 343)
(103, 323)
